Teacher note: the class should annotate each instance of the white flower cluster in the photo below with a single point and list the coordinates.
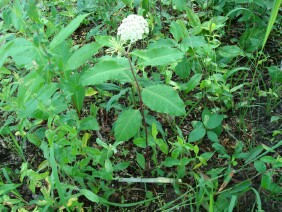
(133, 28)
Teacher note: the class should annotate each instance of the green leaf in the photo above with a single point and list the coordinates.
(212, 136)
(273, 15)
(170, 162)
(197, 134)
(192, 42)
(90, 195)
(180, 4)
(193, 82)
(67, 31)
(140, 142)
(108, 166)
(121, 166)
(193, 18)
(241, 187)
(7, 188)
(127, 124)
(230, 51)
(83, 54)
(275, 73)
(159, 56)
(213, 121)
(88, 123)
(24, 52)
(163, 99)
(253, 153)
(183, 68)
(104, 71)
(178, 30)
(141, 160)
(154, 130)
(4, 51)
(162, 145)
(260, 166)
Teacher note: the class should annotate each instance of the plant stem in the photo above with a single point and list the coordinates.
(141, 106)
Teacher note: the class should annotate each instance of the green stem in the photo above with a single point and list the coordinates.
(140, 105)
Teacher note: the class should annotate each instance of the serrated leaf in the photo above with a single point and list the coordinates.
(67, 31)
(104, 71)
(127, 124)
(163, 99)
(159, 56)
(79, 57)
(141, 160)
(197, 134)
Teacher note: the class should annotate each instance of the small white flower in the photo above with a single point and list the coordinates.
(133, 28)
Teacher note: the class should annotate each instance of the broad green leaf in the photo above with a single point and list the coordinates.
(108, 166)
(104, 71)
(24, 52)
(4, 51)
(193, 82)
(183, 68)
(159, 56)
(170, 162)
(213, 121)
(83, 54)
(154, 130)
(89, 195)
(192, 42)
(121, 166)
(230, 51)
(193, 18)
(197, 134)
(163, 99)
(178, 29)
(212, 136)
(179, 4)
(88, 123)
(260, 166)
(127, 124)
(141, 160)
(140, 142)
(162, 145)
(67, 31)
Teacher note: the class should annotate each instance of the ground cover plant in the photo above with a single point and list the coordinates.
(132, 105)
